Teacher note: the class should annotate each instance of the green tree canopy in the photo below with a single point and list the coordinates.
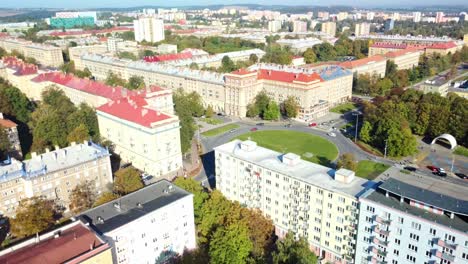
(291, 107)
(347, 161)
(127, 180)
(82, 197)
(309, 56)
(291, 251)
(105, 198)
(113, 79)
(5, 145)
(272, 112)
(32, 216)
(200, 195)
(230, 245)
(79, 134)
(135, 83)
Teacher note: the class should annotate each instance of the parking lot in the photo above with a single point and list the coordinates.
(441, 157)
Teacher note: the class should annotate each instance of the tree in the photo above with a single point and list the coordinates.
(199, 194)
(325, 52)
(5, 144)
(82, 197)
(135, 83)
(193, 66)
(391, 68)
(347, 161)
(309, 56)
(252, 110)
(14, 103)
(362, 84)
(253, 58)
(272, 112)
(209, 113)
(127, 180)
(68, 67)
(261, 102)
(230, 245)
(365, 132)
(127, 55)
(294, 251)
(261, 232)
(227, 65)
(383, 86)
(291, 107)
(105, 198)
(32, 216)
(113, 80)
(79, 134)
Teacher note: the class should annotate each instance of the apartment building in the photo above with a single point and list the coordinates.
(151, 224)
(341, 16)
(362, 29)
(145, 132)
(72, 243)
(405, 59)
(442, 48)
(308, 199)
(274, 25)
(78, 51)
(19, 74)
(374, 65)
(380, 48)
(299, 26)
(148, 29)
(54, 174)
(44, 54)
(11, 130)
(329, 28)
(411, 219)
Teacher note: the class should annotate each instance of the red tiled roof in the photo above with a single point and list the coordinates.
(168, 57)
(283, 76)
(132, 109)
(91, 32)
(71, 244)
(445, 45)
(389, 45)
(19, 66)
(242, 71)
(394, 54)
(361, 62)
(7, 123)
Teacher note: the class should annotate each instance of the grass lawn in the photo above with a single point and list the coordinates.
(343, 108)
(211, 121)
(219, 130)
(460, 150)
(303, 144)
(369, 169)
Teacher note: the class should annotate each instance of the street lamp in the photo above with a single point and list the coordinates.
(385, 149)
(357, 113)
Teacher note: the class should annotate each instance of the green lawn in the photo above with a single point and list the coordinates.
(211, 121)
(310, 147)
(460, 150)
(219, 130)
(343, 108)
(369, 169)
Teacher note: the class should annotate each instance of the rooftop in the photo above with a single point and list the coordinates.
(398, 53)
(112, 215)
(362, 62)
(6, 122)
(445, 45)
(168, 57)
(301, 170)
(90, 32)
(134, 109)
(327, 73)
(56, 160)
(456, 223)
(21, 68)
(290, 77)
(77, 242)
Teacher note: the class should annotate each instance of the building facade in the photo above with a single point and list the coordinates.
(151, 224)
(274, 25)
(148, 29)
(404, 221)
(362, 29)
(54, 174)
(329, 28)
(405, 59)
(44, 54)
(299, 26)
(374, 65)
(308, 199)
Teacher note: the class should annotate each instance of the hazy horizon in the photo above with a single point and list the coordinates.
(175, 3)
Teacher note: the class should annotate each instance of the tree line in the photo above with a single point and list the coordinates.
(267, 109)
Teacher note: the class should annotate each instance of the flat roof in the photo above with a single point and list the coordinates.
(306, 171)
(456, 223)
(133, 206)
(444, 195)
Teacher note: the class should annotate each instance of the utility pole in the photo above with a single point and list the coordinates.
(357, 123)
(453, 160)
(385, 150)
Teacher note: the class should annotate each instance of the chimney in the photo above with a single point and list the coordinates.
(73, 143)
(47, 150)
(34, 154)
(57, 147)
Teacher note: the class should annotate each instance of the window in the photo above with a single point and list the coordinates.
(428, 254)
(397, 241)
(396, 252)
(432, 231)
(465, 256)
(414, 237)
(410, 258)
(416, 226)
(413, 247)
(400, 220)
(450, 238)
(370, 209)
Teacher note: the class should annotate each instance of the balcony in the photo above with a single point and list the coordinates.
(380, 242)
(444, 255)
(380, 231)
(446, 244)
(382, 221)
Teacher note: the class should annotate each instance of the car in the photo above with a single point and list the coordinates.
(409, 168)
(232, 130)
(288, 125)
(462, 176)
(331, 134)
(312, 124)
(144, 175)
(432, 168)
(147, 178)
(260, 124)
(441, 170)
(441, 174)
(253, 129)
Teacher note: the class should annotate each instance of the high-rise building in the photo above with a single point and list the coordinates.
(151, 224)
(362, 29)
(54, 174)
(396, 16)
(308, 199)
(323, 15)
(416, 17)
(412, 219)
(341, 16)
(329, 28)
(439, 17)
(370, 16)
(112, 44)
(389, 24)
(274, 25)
(299, 26)
(149, 29)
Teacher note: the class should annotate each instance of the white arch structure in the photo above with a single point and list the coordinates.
(449, 138)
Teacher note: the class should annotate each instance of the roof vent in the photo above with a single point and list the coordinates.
(344, 175)
(117, 206)
(291, 159)
(248, 145)
(139, 205)
(100, 220)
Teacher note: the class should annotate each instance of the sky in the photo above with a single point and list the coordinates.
(174, 3)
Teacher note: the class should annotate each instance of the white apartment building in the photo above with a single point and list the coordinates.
(411, 219)
(329, 28)
(370, 16)
(308, 199)
(299, 26)
(112, 44)
(416, 17)
(44, 54)
(54, 174)
(274, 25)
(149, 29)
(145, 132)
(150, 224)
(362, 29)
(341, 16)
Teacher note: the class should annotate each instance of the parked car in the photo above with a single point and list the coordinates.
(312, 124)
(409, 168)
(462, 176)
(288, 125)
(331, 134)
(253, 129)
(432, 168)
(441, 174)
(232, 130)
(260, 124)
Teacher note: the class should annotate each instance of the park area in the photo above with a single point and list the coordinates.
(369, 169)
(309, 147)
(219, 130)
(343, 108)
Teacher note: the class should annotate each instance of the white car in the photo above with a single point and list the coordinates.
(331, 134)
